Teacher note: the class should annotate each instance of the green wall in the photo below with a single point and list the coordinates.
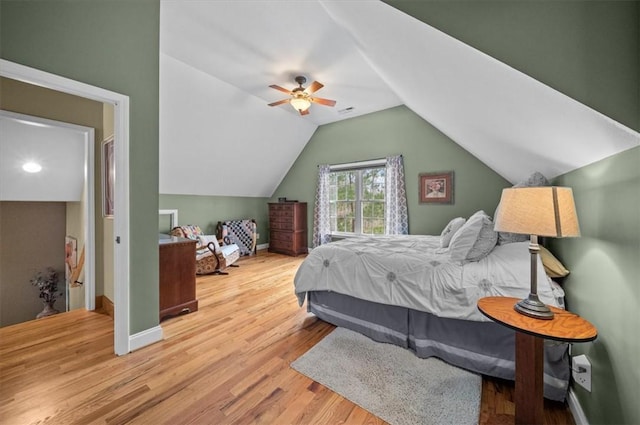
(604, 284)
(113, 45)
(425, 149)
(206, 211)
(588, 50)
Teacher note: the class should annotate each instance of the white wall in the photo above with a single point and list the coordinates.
(231, 149)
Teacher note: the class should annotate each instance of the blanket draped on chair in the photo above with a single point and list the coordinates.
(241, 232)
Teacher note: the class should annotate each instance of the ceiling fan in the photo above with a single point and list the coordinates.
(301, 98)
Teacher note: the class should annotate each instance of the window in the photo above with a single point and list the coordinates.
(364, 197)
(357, 200)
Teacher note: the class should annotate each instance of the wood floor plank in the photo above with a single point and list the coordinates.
(227, 363)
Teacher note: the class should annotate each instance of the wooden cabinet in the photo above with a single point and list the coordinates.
(177, 276)
(288, 228)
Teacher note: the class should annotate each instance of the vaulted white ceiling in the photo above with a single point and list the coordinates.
(219, 57)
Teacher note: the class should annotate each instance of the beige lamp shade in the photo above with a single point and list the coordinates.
(542, 211)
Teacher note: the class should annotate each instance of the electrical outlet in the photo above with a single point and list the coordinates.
(581, 371)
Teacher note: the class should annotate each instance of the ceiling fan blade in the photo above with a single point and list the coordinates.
(321, 101)
(282, 89)
(305, 112)
(280, 102)
(314, 87)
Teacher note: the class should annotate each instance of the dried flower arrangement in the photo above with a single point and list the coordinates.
(47, 283)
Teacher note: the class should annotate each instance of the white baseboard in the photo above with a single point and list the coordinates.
(144, 338)
(576, 409)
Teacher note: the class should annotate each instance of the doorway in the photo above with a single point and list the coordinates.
(121, 153)
(42, 208)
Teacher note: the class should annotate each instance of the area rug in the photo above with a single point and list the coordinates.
(392, 382)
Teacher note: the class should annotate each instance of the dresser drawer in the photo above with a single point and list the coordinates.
(281, 236)
(280, 246)
(281, 225)
(281, 215)
(282, 208)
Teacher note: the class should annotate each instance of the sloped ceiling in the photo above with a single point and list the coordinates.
(218, 59)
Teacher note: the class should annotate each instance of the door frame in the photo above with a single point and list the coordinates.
(88, 222)
(120, 103)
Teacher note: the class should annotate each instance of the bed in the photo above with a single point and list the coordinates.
(411, 291)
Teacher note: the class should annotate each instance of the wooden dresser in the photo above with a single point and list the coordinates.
(288, 228)
(177, 276)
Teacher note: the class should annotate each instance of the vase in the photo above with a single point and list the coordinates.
(48, 310)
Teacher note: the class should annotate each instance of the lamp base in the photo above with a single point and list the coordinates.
(533, 307)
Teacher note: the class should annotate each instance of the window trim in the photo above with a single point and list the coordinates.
(369, 163)
(357, 167)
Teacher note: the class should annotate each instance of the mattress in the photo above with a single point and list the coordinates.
(412, 271)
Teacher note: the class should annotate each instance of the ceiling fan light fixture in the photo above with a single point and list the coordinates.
(301, 99)
(300, 103)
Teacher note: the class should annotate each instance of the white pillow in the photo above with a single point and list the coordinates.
(204, 240)
(463, 240)
(450, 229)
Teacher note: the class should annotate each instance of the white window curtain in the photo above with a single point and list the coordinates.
(395, 198)
(321, 211)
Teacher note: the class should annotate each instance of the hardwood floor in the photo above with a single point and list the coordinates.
(226, 363)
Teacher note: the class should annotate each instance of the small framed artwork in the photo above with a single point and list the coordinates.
(436, 188)
(108, 177)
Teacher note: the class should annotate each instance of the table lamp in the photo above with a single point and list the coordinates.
(537, 211)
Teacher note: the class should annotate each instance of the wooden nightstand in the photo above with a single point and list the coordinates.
(530, 334)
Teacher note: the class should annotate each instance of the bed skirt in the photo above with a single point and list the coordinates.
(483, 347)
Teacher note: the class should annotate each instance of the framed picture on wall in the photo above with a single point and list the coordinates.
(70, 257)
(108, 177)
(436, 188)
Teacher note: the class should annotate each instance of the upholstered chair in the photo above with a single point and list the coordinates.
(212, 255)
